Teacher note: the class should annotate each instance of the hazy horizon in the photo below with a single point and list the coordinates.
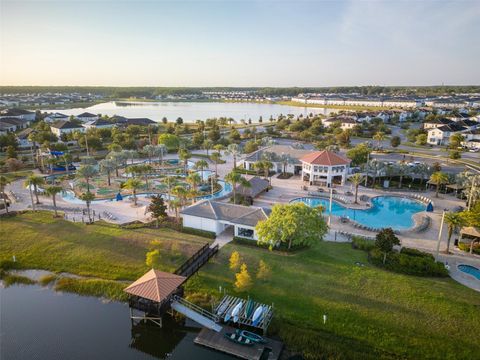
(239, 44)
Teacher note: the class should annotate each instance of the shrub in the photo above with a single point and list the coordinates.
(361, 243)
(10, 279)
(203, 233)
(415, 252)
(47, 279)
(93, 287)
(8, 265)
(466, 247)
(408, 264)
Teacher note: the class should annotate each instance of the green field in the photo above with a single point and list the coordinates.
(372, 313)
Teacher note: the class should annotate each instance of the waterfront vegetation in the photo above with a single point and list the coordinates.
(372, 313)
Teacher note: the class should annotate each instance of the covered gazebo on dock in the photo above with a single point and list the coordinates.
(152, 293)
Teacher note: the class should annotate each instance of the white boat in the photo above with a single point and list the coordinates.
(257, 315)
(236, 311)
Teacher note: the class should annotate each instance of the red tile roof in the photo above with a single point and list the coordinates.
(325, 157)
(155, 285)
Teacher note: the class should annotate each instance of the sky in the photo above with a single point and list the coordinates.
(239, 43)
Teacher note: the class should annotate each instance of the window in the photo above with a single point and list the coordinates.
(246, 233)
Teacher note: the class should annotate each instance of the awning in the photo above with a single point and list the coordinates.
(471, 231)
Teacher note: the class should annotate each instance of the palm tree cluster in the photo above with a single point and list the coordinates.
(378, 169)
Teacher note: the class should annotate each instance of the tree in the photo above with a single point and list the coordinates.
(243, 280)
(133, 184)
(359, 154)
(118, 158)
(34, 181)
(13, 164)
(171, 142)
(193, 179)
(175, 205)
(88, 197)
(216, 157)
(292, 224)
(170, 182)
(87, 172)
(395, 141)
(235, 260)
(385, 240)
(207, 145)
(179, 121)
(11, 152)
(454, 154)
(184, 155)
(356, 180)
(379, 137)
(234, 178)
(152, 258)
(158, 208)
(343, 137)
(234, 150)
(150, 151)
(3, 184)
(197, 139)
(421, 139)
(455, 141)
(234, 135)
(454, 220)
(201, 164)
(402, 170)
(181, 194)
(53, 190)
(250, 146)
(107, 166)
(264, 270)
(438, 178)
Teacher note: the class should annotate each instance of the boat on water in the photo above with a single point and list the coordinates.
(257, 316)
(239, 339)
(236, 311)
(252, 336)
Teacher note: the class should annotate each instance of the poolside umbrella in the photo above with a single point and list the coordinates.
(119, 197)
(430, 207)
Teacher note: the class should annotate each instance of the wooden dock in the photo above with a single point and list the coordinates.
(217, 341)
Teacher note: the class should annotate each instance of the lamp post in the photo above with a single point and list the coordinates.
(366, 175)
(440, 235)
(330, 207)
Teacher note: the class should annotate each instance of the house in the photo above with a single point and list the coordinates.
(217, 216)
(14, 123)
(7, 128)
(98, 124)
(280, 156)
(472, 139)
(19, 114)
(324, 168)
(441, 135)
(437, 122)
(258, 185)
(22, 138)
(56, 117)
(140, 122)
(64, 127)
(86, 117)
(346, 122)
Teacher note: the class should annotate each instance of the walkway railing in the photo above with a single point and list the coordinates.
(199, 310)
(192, 265)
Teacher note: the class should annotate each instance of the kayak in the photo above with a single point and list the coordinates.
(249, 308)
(251, 336)
(239, 339)
(222, 308)
(257, 315)
(228, 316)
(236, 311)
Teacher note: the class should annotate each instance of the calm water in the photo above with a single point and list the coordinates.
(191, 111)
(38, 323)
(386, 211)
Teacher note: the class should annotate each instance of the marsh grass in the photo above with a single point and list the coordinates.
(93, 287)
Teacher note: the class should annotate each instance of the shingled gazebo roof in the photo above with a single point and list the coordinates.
(155, 285)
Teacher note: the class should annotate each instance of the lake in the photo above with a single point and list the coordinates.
(39, 323)
(192, 111)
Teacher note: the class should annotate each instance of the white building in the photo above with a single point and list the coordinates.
(98, 124)
(56, 117)
(86, 117)
(346, 122)
(65, 127)
(325, 168)
(472, 139)
(19, 114)
(217, 216)
(441, 135)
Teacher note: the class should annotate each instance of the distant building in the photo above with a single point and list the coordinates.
(19, 114)
(65, 127)
(346, 122)
(324, 168)
(86, 117)
(56, 117)
(140, 122)
(437, 122)
(14, 123)
(98, 124)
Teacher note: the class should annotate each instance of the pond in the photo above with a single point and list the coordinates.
(38, 323)
(192, 111)
(386, 211)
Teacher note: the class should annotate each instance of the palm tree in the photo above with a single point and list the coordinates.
(402, 170)
(133, 184)
(53, 190)
(454, 221)
(175, 204)
(88, 197)
(285, 159)
(379, 137)
(87, 172)
(194, 179)
(216, 157)
(169, 181)
(35, 181)
(181, 194)
(67, 158)
(184, 155)
(160, 149)
(375, 166)
(129, 154)
(117, 158)
(150, 151)
(201, 164)
(438, 178)
(234, 150)
(207, 145)
(356, 180)
(146, 170)
(107, 166)
(3, 183)
(234, 178)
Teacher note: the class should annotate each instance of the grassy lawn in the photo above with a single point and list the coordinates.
(372, 313)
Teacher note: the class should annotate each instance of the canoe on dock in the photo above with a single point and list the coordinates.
(239, 339)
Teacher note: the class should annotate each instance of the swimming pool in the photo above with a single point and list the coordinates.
(470, 270)
(386, 211)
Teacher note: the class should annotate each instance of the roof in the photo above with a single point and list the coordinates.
(57, 115)
(451, 128)
(257, 186)
(13, 121)
(342, 119)
(470, 230)
(61, 124)
(237, 214)
(467, 123)
(443, 121)
(140, 121)
(15, 112)
(296, 152)
(155, 285)
(99, 122)
(25, 133)
(86, 114)
(325, 157)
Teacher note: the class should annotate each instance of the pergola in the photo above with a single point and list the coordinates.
(470, 231)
